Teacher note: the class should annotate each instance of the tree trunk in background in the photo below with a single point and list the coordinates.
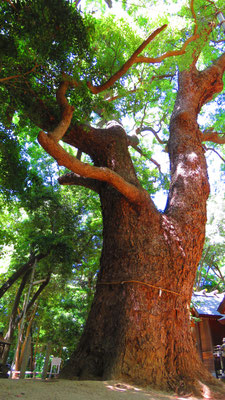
(13, 316)
(139, 324)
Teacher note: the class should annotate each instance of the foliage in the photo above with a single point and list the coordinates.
(11, 160)
(60, 37)
(210, 274)
(38, 216)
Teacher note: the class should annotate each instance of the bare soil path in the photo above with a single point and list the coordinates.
(30, 389)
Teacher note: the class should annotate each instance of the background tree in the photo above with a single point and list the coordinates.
(138, 327)
(210, 273)
(41, 225)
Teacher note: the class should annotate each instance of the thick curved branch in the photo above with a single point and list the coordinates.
(131, 192)
(135, 58)
(84, 137)
(172, 53)
(220, 62)
(132, 60)
(211, 136)
(125, 67)
(73, 179)
(66, 112)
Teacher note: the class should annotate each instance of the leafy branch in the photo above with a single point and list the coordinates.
(8, 78)
(136, 58)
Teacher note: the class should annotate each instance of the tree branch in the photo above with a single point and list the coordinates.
(131, 192)
(211, 136)
(220, 275)
(212, 149)
(136, 89)
(220, 62)
(11, 4)
(66, 112)
(73, 179)
(155, 133)
(25, 267)
(133, 142)
(13, 316)
(172, 53)
(19, 76)
(35, 296)
(132, 60)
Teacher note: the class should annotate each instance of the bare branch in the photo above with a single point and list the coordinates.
(212, 149)
(136, 89)
(133, 142)
(150, 159)
(73, 179)
(144, 115)
(113, 98)
(213, 4)
(77, 2)
(12, 321)
(194, 16)
(218, 41)
(155, 133)
(131, 192)
(219, 273)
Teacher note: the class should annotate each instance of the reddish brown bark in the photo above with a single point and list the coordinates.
(132, 332)
(137, 332)
(139, 325)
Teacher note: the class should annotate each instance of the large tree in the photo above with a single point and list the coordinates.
(139, 325)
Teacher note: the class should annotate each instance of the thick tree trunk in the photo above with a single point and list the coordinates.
(138, 328)
(139, 325)
(135, 331)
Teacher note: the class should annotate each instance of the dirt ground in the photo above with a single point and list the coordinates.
(56, 389)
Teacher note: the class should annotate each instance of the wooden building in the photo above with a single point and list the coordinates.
(209, 331)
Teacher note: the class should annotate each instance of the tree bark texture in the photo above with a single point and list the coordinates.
(139, 324)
